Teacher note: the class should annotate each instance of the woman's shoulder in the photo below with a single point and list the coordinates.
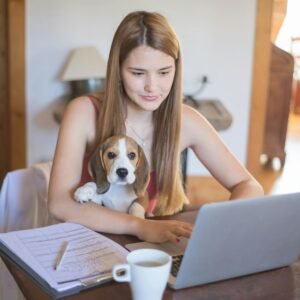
(84, 106)
(81, 116)
(191, 117)
(194, 126)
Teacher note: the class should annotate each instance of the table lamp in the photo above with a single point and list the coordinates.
(85, 70)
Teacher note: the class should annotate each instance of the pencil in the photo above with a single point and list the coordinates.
(61, 255)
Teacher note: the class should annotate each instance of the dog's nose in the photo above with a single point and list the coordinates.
(122, 172)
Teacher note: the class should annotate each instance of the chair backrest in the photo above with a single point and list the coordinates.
(23, 199)
(23, 205)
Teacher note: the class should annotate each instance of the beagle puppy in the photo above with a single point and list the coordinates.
(121, 173)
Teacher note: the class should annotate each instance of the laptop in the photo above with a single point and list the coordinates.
(236, 238)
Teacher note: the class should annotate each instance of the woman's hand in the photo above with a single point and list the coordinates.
(159, 231)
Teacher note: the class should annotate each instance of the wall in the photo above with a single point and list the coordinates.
(217, 40)
(290, 27)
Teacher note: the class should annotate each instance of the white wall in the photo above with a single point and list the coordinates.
(290, 27)
(217, 38)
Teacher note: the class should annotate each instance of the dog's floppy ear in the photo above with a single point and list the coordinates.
(98, 171)
(142, 174)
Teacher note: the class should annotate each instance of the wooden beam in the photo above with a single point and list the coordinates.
(16, 81)
(260, 84)
(4, 116)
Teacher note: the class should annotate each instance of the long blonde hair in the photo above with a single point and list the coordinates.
(151, 29)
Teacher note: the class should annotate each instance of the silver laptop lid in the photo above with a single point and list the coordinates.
(235, 238)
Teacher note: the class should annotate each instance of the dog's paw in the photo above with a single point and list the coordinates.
(137, 210)
(86, 192)
(150, 215)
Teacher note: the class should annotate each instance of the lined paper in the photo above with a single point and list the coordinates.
(88, 254)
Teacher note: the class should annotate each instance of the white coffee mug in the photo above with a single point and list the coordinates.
(147, 271)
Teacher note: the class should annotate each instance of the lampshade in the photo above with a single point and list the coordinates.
(84, 63)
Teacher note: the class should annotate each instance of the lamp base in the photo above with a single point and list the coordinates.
(81, 87)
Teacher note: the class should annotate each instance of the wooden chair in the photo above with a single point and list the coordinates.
(278, 105)
(295, 50)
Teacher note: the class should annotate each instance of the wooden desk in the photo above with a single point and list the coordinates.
(279, 284)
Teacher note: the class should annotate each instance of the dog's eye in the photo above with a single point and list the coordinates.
(111, 155)
(131, 155)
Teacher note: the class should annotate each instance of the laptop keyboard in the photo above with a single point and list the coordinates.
(176, 262)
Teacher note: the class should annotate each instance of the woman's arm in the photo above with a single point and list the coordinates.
(77, 133)
(202, 138)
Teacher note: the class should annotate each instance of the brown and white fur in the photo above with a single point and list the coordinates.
(121, 173)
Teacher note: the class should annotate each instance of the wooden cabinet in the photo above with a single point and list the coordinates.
(278, 105)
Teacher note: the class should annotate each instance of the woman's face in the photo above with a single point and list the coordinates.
(147, 76)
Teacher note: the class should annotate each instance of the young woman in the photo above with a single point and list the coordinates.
(142, 99)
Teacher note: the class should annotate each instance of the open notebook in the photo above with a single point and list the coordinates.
(88, 260)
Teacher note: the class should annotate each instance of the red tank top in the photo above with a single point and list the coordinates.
(86, 177)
